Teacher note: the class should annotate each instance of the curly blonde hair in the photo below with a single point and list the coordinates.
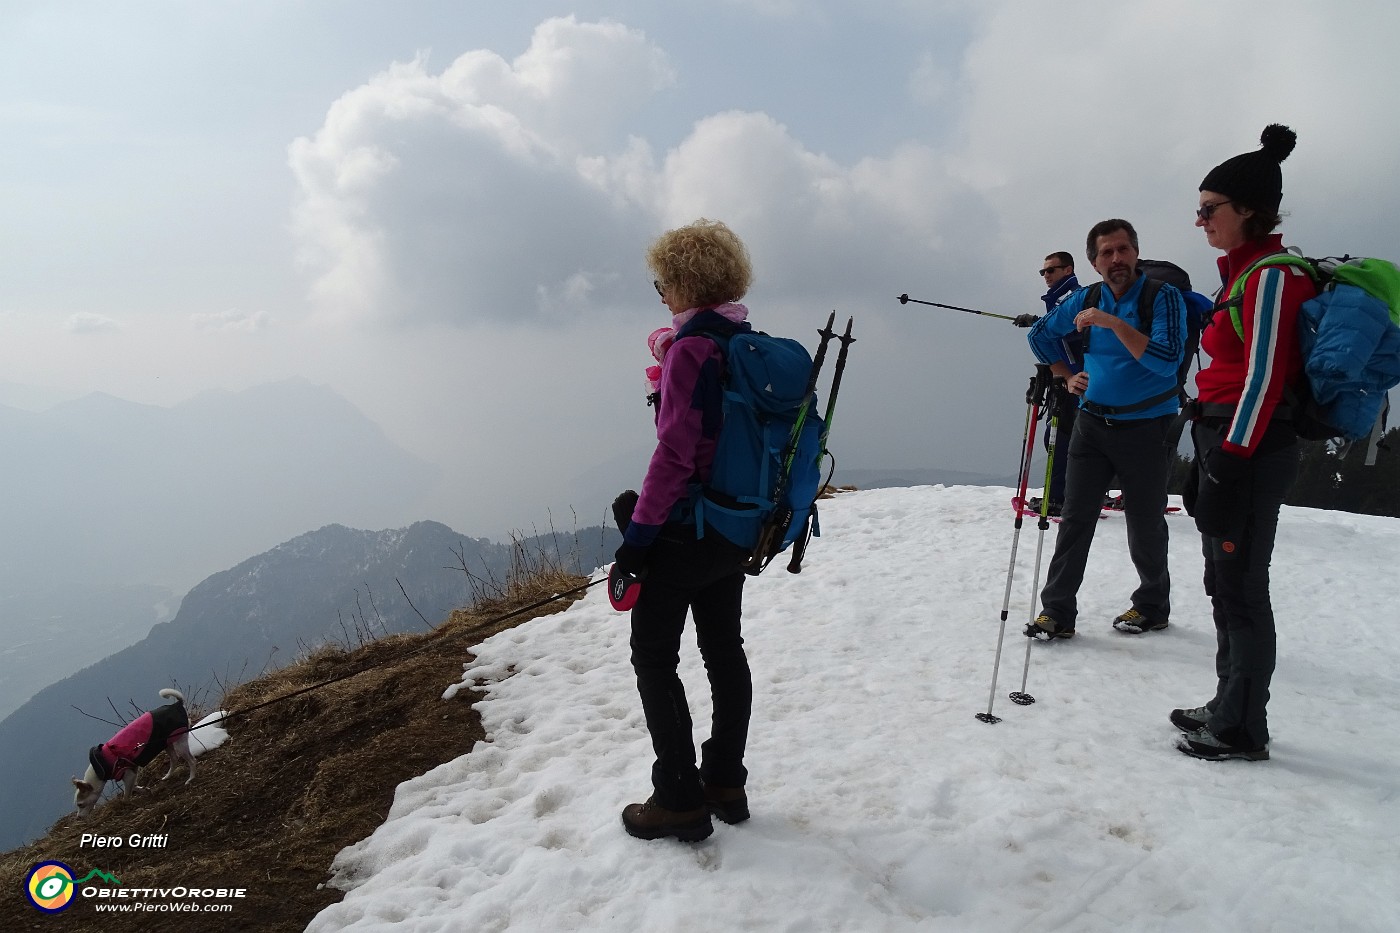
(703, 263)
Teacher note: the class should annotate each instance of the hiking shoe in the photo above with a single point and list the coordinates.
(1133, 622)
(1190, 720)
(727, 804)
(1045, 628)
(1204, 745)
(1053, 510)
(652, 821)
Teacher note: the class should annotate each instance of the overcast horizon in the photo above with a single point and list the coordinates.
(439, 209)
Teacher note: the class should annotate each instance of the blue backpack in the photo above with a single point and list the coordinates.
(766, 472)
(1349, 336)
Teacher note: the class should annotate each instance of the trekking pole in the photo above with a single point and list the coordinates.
(1022, 698)
(1035, 396)
(905, 299)
(775, 529)
(799, 546)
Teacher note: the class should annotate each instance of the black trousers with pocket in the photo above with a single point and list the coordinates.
(705, 578)
(1237, 583)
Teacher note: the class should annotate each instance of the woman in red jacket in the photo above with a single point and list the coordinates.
(1246, 448)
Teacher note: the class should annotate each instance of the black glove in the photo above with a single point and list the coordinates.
(622, 509)
(1222, 497)
(631, 559)
(1025, 320)
(1191, 487)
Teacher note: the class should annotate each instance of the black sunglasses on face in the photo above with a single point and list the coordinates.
(1206, 210)
(1049, 269)
(656, 284)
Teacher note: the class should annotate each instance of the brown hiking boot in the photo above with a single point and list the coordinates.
(727, 804)
(652, 821)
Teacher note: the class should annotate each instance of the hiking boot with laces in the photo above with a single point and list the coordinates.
(1046, 628)
(1204, 745)
(1052, 510)
(1133, 622)
(1190, 720)
(650, 820)
(727, 804)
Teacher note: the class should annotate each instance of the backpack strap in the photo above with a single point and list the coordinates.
(1235, 300)
(1107, 412)
(1147, 298)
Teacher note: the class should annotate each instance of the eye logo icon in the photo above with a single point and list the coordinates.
(49, 887)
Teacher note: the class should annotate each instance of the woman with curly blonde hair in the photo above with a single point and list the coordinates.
(701, 271)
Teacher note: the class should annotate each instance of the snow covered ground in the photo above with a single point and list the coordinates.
(881, 803)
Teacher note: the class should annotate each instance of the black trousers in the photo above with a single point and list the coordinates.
(1238, 586)
(1136, 452)
(704, 577)
(1063, 433)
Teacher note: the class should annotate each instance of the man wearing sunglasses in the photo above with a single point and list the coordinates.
(1058, 272)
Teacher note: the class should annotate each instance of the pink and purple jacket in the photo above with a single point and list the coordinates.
(139, 741)
(688, 417)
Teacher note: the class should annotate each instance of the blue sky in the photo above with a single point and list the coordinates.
(439, 209)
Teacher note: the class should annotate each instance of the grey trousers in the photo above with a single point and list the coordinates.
(1136, 452)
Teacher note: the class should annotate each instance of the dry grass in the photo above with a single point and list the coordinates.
(296, 781)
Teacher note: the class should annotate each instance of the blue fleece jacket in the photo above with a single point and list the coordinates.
(1116, 378)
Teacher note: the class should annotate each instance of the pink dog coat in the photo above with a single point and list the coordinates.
(139, 741)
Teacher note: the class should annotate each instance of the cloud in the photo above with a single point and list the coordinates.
(513, 190)
(466, 195)
(87, 322)
(231, 320)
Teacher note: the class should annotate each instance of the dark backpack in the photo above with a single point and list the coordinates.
(1350, 343)
(767, 464)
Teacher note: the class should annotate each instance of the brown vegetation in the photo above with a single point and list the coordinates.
(296, 782)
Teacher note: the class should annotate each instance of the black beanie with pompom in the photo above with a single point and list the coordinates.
(1254, 179)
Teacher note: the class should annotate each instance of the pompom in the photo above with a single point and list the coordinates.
(1278, 141)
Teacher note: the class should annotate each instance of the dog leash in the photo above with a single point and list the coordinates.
(339, 677)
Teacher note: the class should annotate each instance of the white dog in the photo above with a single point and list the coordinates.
(137, 744)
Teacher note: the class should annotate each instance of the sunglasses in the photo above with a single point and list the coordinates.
(1049, 269)
(656, 284)
(1205, 211)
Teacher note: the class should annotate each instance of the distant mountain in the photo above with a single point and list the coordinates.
(52, 631)
(325, 585)
(103, 490)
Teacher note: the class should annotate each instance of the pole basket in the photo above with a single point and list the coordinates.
(989, 719)
(1021, 699)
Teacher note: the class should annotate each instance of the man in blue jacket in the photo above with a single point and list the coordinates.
(1058, 272)
(1133, 331)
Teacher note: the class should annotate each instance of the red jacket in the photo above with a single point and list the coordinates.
(1249, 374)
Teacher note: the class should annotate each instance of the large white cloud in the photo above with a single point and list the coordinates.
(514, 189)
(459, 195)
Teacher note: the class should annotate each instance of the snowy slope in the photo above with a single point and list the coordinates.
(881, 803)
